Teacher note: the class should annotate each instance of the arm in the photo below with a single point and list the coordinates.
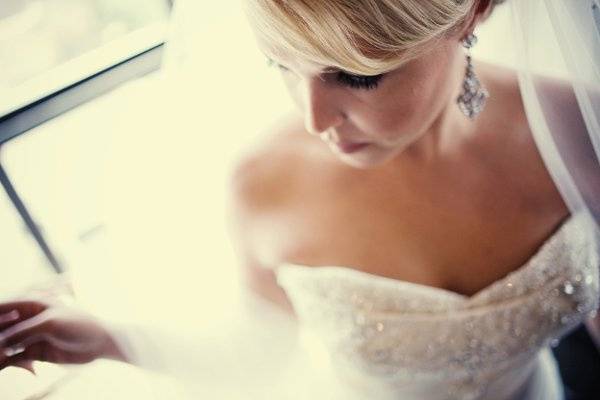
(251, 350)
(254, 196)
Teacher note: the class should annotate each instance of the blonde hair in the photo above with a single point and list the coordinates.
(365, 37)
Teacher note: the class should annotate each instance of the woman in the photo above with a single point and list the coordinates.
(438, 258)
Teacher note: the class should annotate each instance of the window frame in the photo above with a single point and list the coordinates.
(111, 66)
(134, 55)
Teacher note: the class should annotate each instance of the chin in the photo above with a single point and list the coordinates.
(372, 156)
(365, 160)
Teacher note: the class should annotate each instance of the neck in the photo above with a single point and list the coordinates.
(444, 137)
(446, 134)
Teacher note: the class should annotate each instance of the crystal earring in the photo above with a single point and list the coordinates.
(473, 97)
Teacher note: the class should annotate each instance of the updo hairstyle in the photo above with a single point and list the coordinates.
(365, 37)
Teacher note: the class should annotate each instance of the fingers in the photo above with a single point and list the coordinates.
(25, 356)
(25, 308)
(10, 316)
(13, 350)
(26, 365)
(33, 348)
(9, 319)
(24, 331)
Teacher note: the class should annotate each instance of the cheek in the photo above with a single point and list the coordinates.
(409, 106)
(397, 111)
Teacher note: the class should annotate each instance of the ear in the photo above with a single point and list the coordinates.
(480, 11)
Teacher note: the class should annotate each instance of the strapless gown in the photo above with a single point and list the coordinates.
(371, 337)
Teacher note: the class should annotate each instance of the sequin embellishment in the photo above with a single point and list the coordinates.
(395, 332)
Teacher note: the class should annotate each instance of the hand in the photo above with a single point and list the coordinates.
(33, 330)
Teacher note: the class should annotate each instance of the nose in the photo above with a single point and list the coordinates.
(322, 107)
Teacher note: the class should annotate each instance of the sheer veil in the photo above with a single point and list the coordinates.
(558, 45)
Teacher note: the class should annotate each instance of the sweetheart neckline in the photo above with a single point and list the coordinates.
(552, 238)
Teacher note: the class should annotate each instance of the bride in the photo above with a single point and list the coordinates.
(410, 213)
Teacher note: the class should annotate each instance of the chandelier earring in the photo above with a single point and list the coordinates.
(473, 97)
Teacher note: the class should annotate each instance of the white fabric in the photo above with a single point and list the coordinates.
(244, 356)
(390, 339)
(364, 336)
(558, 44)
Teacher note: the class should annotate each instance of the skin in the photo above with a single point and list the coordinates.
(432, 200)
(445, 212)
(409, 104)
(40, 325)
(51, 332)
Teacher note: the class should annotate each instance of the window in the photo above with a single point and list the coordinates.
(48, 45)
(56, 55)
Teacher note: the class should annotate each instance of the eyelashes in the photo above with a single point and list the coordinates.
(364, 82)
(358, 81)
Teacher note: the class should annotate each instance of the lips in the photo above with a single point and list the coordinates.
(333, 139)
(349, 147)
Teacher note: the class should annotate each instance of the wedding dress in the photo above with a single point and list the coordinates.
(388, 339)
(364, 336)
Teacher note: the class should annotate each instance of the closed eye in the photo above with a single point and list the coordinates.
(358, 81)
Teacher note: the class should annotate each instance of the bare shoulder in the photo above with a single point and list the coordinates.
(511, 144)
(263, 185)
(268, 173)
(505, 99)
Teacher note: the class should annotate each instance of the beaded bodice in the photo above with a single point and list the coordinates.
(404, 339)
